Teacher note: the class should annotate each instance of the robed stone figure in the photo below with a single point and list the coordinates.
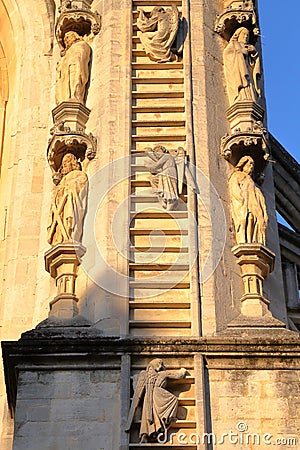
(158, 33)
(242, 68)
(248, 205)
(159, 405)
(73, 70)
(69, 203)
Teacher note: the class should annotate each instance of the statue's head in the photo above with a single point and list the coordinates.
(160, 150)
(70, 38)
(68, 164)
(245, 164)
(241, 35)
(181, 152)
(157, 364)
(156, 11)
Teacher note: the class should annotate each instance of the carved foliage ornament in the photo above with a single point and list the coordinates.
(80, 144)
(253, 142)
(76, 18)
(236, 13)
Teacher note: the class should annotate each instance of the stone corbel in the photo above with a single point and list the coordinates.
(256, 262)
(76, 16)
(62, 263)
(78, 143)
(253, 142)
(236, 14)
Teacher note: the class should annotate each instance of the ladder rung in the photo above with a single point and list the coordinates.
(157, 2)
(158, 286)
(169, 94)
(159, 138)
(157, 66)
(141, 249)
(146, 231)
(159, 109)
(146, 304)
(160, 324)
(158, 123)
(159, 215)
(158, 267)
(162, 80)
(151, 198)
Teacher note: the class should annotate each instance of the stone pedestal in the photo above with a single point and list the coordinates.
(256, 262)
(73, 115)
(62, 262)
(244, 115)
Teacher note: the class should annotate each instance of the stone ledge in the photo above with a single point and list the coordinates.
(83, 348)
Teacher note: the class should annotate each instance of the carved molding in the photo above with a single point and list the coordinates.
(256, 262)
(253, 143)
(236, 14)
(83, 21)
(69, 116)
(82, 145)
(62, 263)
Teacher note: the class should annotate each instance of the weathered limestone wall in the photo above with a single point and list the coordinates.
(25, 39)
(68, 409)
(259, 403)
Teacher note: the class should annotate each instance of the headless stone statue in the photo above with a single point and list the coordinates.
(73, 70)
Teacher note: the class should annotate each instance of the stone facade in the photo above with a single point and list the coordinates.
(155, 272)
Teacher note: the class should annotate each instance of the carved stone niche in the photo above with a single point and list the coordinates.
(236, 13)
(76, 16)
(65, 141)
(253, 143)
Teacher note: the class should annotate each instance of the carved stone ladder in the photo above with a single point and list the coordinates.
(159, 241)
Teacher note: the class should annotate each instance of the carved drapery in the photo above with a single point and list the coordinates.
(70, 148)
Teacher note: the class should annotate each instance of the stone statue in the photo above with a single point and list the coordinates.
(164, 176)
(242, 68)
(159, 405)
(249, 211)
(158, 33)
(69, 203)
(73, 70)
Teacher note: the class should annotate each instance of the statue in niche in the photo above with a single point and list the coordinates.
(249, 211)
(159, 405)
(69, 203)
(158, 33)
(163, 176)
(73, 70)
(242, 68)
